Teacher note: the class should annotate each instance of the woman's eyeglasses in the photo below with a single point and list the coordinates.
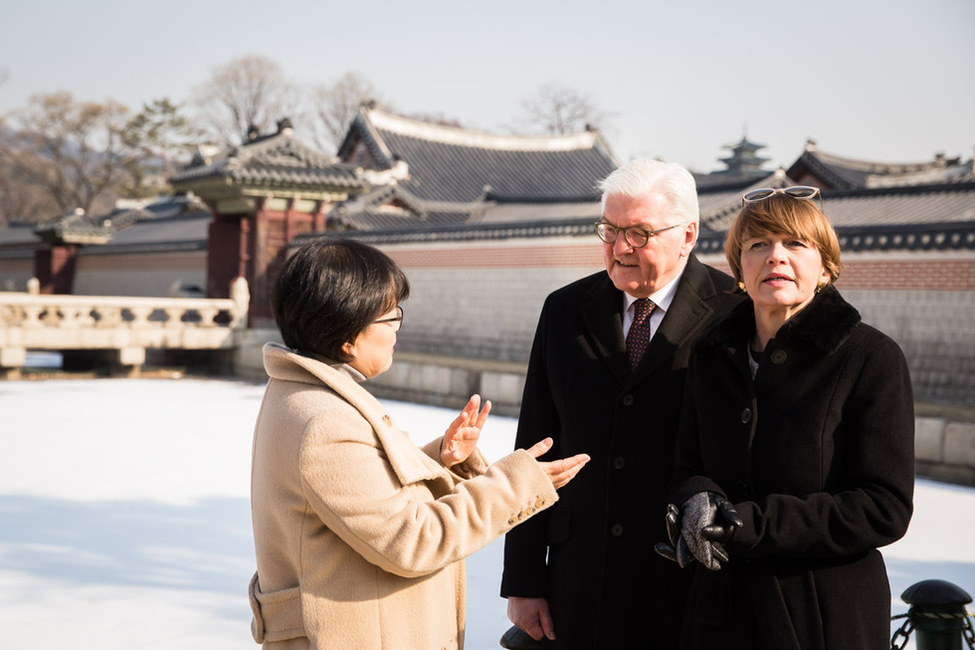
(634, 236)
(395, 321)
(796, 192)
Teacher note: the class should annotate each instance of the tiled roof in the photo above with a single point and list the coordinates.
(77, 227)
(720, 182)
(878, 206)
(456, 165)
(575, 227)
(918, 205)
(515, 213)
(924, 217)
(837, 172)
(18, 240)
(174, 221)
(187, 231)
(393, 207)
(179, 221)
(918, 216)
(274, 160)
(955, 233)
(369, 220)
(718, 208)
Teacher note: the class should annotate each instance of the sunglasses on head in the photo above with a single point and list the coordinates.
(796, 192)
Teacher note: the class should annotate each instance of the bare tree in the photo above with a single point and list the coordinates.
(73, 150)
(334, 107)
(21, 200)
(247, 93)
(559, 109)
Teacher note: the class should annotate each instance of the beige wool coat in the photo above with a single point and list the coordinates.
(360, 535)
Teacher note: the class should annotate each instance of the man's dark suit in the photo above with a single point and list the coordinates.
(606, 586)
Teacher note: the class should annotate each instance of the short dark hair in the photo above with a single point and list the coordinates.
(330, 290)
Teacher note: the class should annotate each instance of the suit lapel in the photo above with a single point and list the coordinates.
(687, 314)
(604, 327)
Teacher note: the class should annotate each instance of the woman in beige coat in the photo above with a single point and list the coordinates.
(360, 534)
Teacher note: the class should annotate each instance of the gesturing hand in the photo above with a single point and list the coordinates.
(561, 471)
(461, 437)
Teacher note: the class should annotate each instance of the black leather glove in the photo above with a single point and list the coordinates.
(676, 550)
(725, 524)
(690, 530)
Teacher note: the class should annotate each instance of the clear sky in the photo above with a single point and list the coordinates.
(882, 80)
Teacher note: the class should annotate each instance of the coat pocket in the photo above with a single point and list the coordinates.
(277, 615)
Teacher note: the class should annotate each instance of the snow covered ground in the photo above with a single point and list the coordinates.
(124, 518)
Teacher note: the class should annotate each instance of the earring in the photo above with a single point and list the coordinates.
(821, 286)
(741, 287)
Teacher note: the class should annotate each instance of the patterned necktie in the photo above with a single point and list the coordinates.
(638, 338)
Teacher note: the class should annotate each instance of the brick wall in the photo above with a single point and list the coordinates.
(483, 301)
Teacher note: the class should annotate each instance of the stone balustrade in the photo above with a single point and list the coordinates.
(124, 325)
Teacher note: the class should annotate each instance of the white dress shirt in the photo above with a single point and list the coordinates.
(661, 298)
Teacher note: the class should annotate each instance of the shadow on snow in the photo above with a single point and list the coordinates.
(204, 546)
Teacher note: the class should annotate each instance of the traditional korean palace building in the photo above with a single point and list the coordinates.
(487, 225)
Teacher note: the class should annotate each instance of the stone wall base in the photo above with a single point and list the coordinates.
(944, 441)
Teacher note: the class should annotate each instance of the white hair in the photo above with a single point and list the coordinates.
(642, 177)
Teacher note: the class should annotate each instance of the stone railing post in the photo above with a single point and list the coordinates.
(241, 295)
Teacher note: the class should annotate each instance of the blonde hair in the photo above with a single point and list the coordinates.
(781, 214)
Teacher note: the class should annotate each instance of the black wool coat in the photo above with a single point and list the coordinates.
(606, 586)
(817, 454)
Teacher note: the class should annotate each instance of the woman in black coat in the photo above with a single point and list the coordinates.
(795, 458)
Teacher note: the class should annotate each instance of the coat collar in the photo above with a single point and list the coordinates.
(408, 463)
(826, 323)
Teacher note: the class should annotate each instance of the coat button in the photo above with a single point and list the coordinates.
(627, 400)
(778, 357)
(616, 530)
(746, 416)
(618, 462)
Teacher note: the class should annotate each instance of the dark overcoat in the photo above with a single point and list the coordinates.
(817, 454)
(606, 586)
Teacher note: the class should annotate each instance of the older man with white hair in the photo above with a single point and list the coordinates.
(606, 378)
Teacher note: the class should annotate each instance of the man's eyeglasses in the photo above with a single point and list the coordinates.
(634, 236)
(396, 321)
(796, 192)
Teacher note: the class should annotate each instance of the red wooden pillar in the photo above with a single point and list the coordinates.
(318, 223)
(228, 253)
(260, 310)
(54, 268)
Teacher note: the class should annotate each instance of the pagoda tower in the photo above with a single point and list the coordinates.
(744, 160)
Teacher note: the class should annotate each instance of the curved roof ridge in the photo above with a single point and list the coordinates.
(453, 135)
(874, 167)
(282, 144)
